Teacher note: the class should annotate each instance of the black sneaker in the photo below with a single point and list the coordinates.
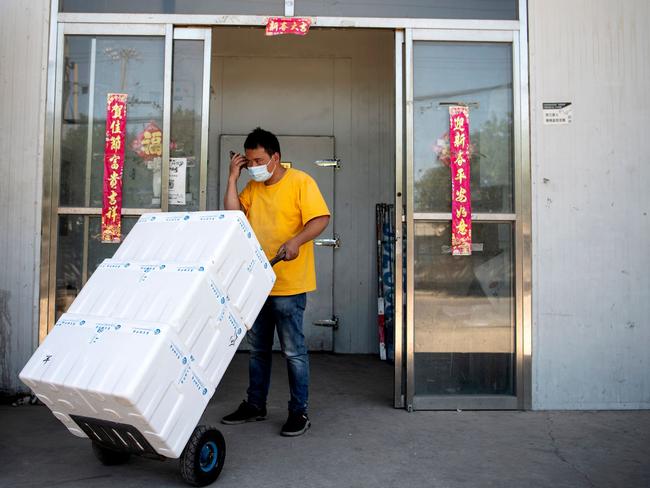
(245, 413)
(296, 424)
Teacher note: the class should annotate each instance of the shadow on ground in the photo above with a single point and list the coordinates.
(357, 440)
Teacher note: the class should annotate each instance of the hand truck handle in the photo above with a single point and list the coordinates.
(279, 257)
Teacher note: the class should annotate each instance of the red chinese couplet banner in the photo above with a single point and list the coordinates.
(113, 167)
(461, 203)
(276, 26)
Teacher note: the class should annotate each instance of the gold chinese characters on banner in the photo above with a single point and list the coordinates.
(113, 167)
(277, 26)
(461, 202)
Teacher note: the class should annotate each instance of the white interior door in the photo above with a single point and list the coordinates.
(302, 152)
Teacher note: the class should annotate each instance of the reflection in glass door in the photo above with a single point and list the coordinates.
(165, 73)
(189, 119)
(461, 310)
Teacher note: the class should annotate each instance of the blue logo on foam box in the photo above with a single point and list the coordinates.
(211, 217)
(243, 226)
(144, 331)
(184, 375)
(173, 218)
(260, 256)
(104, 326)
(69, 322)
(216, 292)
(109, 265)
(189, 269)
(198, 384)
(176, 351)
(222, 314)
(237, 329)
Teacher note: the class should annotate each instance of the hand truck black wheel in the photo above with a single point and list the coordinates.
(110, 457)
(203, 457)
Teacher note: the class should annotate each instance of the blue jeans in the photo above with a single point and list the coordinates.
(285, 313)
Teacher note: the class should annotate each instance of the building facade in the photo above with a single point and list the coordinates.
(550, 310)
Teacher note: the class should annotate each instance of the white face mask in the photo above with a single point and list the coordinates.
(260, 173)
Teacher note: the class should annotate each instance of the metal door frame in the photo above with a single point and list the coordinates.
(52, 159)
(404, 395)
(400, 26)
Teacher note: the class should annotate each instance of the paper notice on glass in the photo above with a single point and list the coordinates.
(177, 177)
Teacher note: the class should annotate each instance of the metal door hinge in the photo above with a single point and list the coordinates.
(328, 163)
(333, 322)
(335, 243)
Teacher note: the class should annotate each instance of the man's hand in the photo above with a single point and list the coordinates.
(237, 163)
(310, 231)
(231, 198)
(291, 249)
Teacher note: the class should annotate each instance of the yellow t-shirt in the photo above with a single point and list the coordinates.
(279, 212)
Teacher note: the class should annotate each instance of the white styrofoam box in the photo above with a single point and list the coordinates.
(224, 242)
(150, 335)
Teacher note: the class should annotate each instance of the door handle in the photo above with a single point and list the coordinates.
(333, 322)
(335, 243)
(328, 163)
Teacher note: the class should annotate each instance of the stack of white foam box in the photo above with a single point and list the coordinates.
(152, 332)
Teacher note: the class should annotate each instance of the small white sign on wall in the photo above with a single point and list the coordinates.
(557, 113)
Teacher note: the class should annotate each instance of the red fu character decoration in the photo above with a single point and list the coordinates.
(461, 206)
(113, 167)
(148, 143)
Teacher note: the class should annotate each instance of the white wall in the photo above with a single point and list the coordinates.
(24, 28)
(591, 204)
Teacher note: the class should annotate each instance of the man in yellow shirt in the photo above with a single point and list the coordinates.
(287, 211)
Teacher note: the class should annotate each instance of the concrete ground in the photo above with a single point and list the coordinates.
(357, 440)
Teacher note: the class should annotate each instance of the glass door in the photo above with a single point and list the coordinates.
(462, 328)
(165, 74)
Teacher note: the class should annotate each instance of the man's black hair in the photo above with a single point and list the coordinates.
(264, 139)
